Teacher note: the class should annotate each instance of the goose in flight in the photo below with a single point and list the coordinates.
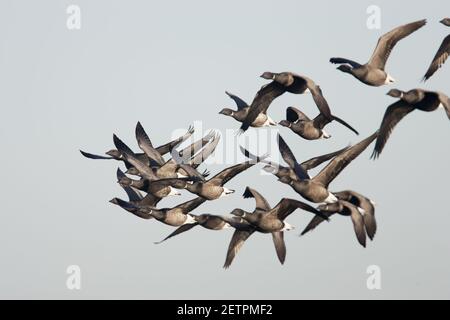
(265, 219)
(441, 55)
(281, 83)
(415, 99)
(316, 189)
(309, 129)
(373, 72)
(262, 119)
(343, 208)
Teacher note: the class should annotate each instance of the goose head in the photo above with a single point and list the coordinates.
(238, 213)
(133, 171)
(395, 93)
(268, 75)
(285, 123)
(226, 111)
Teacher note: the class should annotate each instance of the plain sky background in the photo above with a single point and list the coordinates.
(168, 64)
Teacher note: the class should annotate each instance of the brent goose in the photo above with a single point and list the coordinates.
(415, 99)
(309, 129)
(262, 119)
(316, 189)
(372, 73)
(441, 55)
(175, 216)
(344, 208)
(366, 206)
(265, 219)
(281, 83)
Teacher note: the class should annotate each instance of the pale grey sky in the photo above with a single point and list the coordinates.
(168, 65)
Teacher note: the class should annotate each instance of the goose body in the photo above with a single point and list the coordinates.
(309, 129)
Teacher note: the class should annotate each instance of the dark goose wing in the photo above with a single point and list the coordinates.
(133, 195)
(179, 230)
(286, 206)
(293, 114)
(439, 59)
(289, 157)
(345, 61)
(238, 239)
(94, 156)
(387, 42)
(241, 104)
(261, 202)
(209, 149)
(262, 101)
(144, 170)
(314, 162)
(394, 113)
(315, 222)
(146, 145)
(358, 222)
(188, 206)
(166, 148)
(280, 246)
(229, 173)
(335, 166)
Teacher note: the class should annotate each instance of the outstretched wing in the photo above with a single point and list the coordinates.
(166, 148)
(146, 145)
(286, 206)
(94, 156)
(314, 162)
(335, 166)
(262, 101)
(394, 113)
(179, 230)
(387, 42)
(261, 202)
(241, 104)
(280, 246)
(439, 59)
(237, 241)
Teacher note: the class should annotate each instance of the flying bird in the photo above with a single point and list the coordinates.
(262, 119)
(309, 129)
(373, 72)
(415, 99)
(281, 83)
(343, 208)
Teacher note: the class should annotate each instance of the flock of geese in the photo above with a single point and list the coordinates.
(159, 177)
